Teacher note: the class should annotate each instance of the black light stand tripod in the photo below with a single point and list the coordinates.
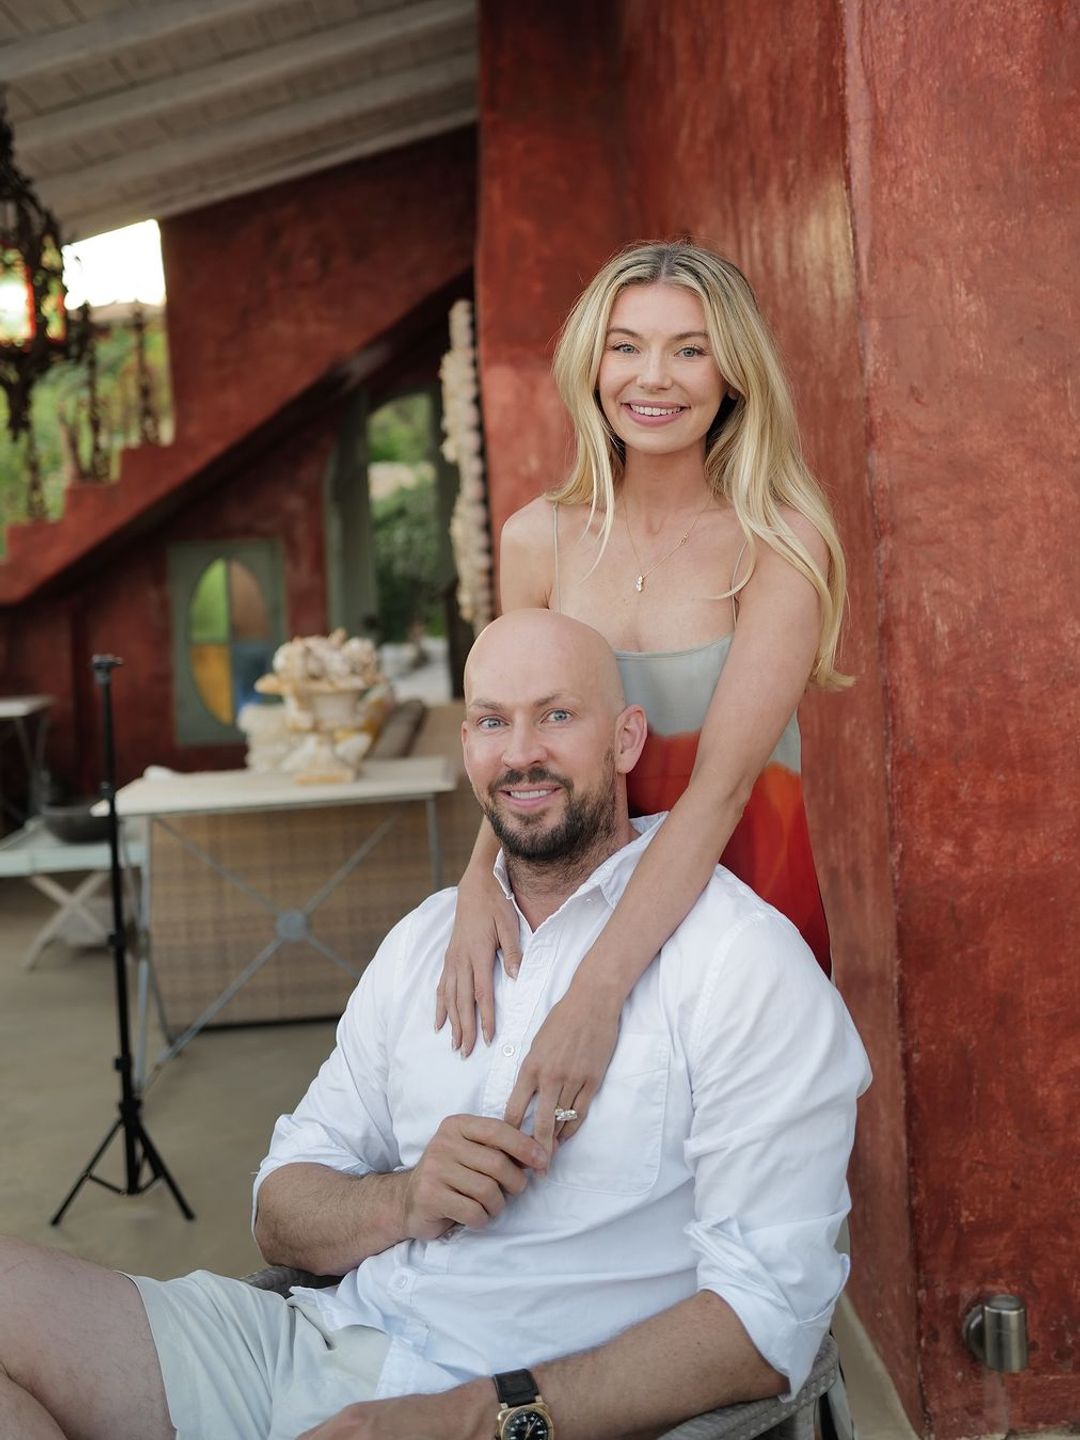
(139, 1149)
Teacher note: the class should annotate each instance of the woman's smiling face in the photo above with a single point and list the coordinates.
(659, 384)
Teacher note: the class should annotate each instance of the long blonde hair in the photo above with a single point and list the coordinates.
(752, 455)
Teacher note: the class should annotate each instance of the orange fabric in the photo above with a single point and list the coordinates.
(770, 847)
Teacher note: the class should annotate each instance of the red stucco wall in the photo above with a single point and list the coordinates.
(964, 182)
(702, 145)
(728, 98)
(267, 291)
(896, 197)
(551, 209)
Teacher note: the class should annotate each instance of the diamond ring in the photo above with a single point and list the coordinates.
(562, 1115)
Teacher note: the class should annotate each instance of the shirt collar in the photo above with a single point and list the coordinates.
(612, 877)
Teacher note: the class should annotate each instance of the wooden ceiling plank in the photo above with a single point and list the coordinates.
(274, 63)
(287, 24)
(94, 221)
(47, 15)
(309, 143)
(52, 92)
(117, 30)
(11, 27)
(91, 9)
(68, 192)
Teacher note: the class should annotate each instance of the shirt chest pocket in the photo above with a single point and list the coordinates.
(618, 1149)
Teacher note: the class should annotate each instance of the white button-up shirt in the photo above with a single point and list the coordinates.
(713, 1157)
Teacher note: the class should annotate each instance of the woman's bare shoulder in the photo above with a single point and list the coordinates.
(527, 557)
(526, 527)
(533, 526)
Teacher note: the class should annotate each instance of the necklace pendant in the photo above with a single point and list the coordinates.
(639, 584)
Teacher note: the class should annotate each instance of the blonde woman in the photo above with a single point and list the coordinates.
(691, 534)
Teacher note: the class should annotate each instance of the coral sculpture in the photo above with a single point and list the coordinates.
(321, 736)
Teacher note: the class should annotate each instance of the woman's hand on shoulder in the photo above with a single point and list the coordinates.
(566, 1065)
(527, 558)
(485, 922)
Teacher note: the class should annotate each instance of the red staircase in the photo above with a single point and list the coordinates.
(154, 480)
(40, 550)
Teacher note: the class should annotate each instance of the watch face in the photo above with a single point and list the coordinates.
(527, 1424)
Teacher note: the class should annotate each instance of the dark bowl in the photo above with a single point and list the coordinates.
(73, 823)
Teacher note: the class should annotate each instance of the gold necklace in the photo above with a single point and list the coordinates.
(643, 574)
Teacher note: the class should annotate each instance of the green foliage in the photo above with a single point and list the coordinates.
(407, 561)
(401, 430)
(404, 523)
(60, 401)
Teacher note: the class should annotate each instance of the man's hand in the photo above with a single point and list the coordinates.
(470, 1165)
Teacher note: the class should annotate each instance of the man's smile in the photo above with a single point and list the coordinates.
(523, 792)
(528, 797)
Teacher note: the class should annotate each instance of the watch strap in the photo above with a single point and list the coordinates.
(516, 1387)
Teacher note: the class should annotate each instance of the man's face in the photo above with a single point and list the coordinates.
(541, 760)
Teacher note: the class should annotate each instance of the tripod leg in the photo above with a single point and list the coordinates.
(160, 1171)
(139, 1150)
(86, 1173)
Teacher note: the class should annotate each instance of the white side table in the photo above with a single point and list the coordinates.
(36, 855)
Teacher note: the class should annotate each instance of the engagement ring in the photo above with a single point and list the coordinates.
(561, 1114)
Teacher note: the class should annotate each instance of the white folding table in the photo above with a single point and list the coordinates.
(164, 800)
(35, 855)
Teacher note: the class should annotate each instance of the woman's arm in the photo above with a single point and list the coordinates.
(763, 679)
(485, 921)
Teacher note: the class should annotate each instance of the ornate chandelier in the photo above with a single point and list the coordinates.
(33, 317)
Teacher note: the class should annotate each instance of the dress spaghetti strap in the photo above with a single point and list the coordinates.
(557, 606)
(734, 594)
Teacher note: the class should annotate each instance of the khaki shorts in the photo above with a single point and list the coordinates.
(246, 1364)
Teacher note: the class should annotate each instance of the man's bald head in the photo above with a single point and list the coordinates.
(573, 653)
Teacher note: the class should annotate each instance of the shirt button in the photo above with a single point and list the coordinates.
(400, 1282)
(509, 1050)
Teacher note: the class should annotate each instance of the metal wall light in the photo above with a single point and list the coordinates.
(995, 1331)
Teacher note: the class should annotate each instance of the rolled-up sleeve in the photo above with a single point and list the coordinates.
(777, 1067)
(344, 1120)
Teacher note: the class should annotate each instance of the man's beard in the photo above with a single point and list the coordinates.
(588, 820)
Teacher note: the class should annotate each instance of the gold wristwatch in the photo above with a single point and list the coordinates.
(522, 1412)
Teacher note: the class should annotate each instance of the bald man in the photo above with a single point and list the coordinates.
(676, 1254)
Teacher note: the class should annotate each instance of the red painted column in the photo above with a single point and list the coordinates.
(709, 109)
(964, 177)
(898, 195)
(737, 135)
(551, 210)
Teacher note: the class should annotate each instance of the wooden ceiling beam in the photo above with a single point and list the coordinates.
(369, 36)
(74, 190)
(161, 203)
(107, 35)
